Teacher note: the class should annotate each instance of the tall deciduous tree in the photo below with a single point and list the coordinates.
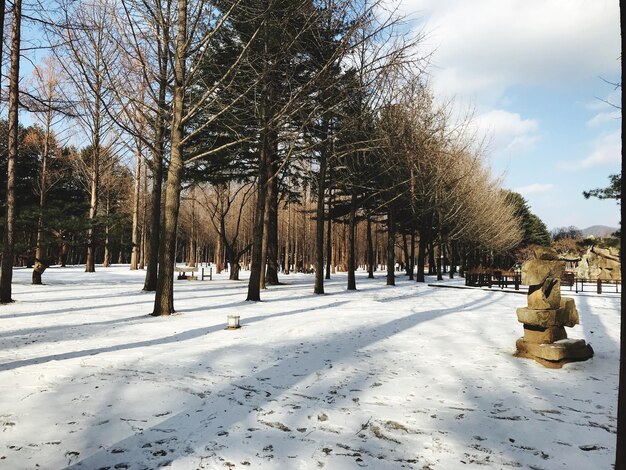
(48, 94)
(196, 25)
(144, 34)
(164, 298)
(6, 267)
(85, 57)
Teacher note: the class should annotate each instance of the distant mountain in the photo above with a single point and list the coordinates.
(599, 231)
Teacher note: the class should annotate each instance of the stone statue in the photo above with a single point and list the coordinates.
(547, 314)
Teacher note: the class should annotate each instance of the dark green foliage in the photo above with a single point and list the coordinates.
(534, 231)
(612, 191)
(26, 169)
(64, 219)
(262, 64)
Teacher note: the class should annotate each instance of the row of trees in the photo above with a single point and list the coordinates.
(293, 109)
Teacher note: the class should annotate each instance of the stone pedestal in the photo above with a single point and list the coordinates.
(547, 314)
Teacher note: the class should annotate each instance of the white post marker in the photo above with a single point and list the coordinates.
(233, 322)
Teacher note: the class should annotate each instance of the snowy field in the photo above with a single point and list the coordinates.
(384, 378)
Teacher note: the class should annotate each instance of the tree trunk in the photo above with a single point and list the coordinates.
(462, 260)
(64, 250)
(333, 266)
(262, 284)
(90, 262)
(6, 267)
(305, 231)
(121, 258)
(295, 249)
(438, 262)
(405, 249)
(329, 230)
(42, 195)
(421, 256)
(134, 257)
(319, 226)
(107, 248)
(432, 269)
(452, 254)
(144, 216)
(344, 247)
(164, 298)
(370, 250)
(271, 215)
(412, 258)
(193, 244)
(443, 252)
(154, 241)
(287, 247)
(254, 283)
(391, 248)
(352, 243)
(234, 270)
(219, 264)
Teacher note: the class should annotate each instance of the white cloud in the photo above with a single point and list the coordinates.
(508, 132)
(604, 118)
(535, 188)
(485, 46)
(607, 150)
(605, 109)
(614, 98)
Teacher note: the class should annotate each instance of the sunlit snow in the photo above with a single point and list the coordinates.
(410, 376)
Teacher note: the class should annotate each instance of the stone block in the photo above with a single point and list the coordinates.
(542, 318)
(566, 349)
(570, 312)
(536, 271)
(534, 334)
(547, 296)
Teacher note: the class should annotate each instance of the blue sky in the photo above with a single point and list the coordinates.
(531, 73)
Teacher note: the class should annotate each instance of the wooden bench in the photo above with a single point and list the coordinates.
(182, 273)
(183, 270)
(489, 277)
(209, 274)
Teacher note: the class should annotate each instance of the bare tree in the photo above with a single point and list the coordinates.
(226, 205)
(136, 244)
(196, 24)
(6, 268)
(46, 89)
(143, 34)
(85, 56)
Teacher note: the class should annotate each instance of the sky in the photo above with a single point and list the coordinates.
(534, 76)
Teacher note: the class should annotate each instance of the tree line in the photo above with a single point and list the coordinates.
(295, 135)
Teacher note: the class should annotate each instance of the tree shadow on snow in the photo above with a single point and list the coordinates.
(194, 425)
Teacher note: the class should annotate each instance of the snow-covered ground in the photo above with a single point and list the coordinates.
(386, 377)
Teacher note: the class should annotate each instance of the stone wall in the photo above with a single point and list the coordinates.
(600, 263)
